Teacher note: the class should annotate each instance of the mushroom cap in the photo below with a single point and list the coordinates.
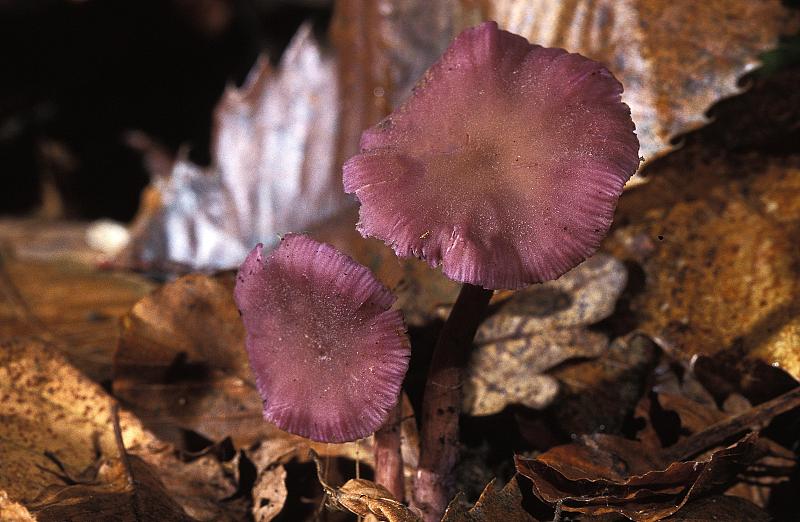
(328, 354)
(504, 165)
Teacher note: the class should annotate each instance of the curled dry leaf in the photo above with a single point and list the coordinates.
(538, 329)
(695, 409)
(273, 168)
(494, 504)
(736, 218)
(693, 405)
(603, 474)
(58, 429)
(675, 61)
(364, 498)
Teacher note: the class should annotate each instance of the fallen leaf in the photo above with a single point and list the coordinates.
(58, 432)
(721, 258)
(190, 326)
(269, 493)
(694, 409)
(364, 498)
(602, 474)
(599, 394)
(140, 497)
(493, 505)
(69, 303)
(674, 61)
(537, 329)
(273, 168)
(13, 511)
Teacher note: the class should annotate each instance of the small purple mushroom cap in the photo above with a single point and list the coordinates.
(328, 354)
(504, 166)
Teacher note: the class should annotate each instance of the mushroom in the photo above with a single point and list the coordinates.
(328, 354)
(503, 167)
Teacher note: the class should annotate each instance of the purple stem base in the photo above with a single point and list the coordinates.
(434, 484)
(388, 458)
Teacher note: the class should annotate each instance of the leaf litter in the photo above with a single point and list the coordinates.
(711, 286)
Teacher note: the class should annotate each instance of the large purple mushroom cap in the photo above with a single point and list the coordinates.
(504, 166)
(328, 354)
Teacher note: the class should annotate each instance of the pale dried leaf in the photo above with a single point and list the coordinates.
(584, 295)
(273, 168)
(269, 493)
(13, 511)
(538, 329)
(365, 498)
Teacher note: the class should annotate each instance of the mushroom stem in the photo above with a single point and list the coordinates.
(388, 459)
(439, 446)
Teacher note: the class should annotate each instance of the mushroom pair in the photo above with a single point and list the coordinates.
(504, 168)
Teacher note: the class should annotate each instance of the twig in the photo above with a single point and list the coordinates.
(755, 417)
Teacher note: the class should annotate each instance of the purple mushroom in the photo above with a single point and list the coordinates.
(504, 167)
(328, 353)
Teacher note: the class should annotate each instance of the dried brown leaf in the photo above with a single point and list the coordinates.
(675, 61)
(606, 474)
(494, 504)
(694, 407)
(365, 498)
(67, 302)
(138, 498)
(598, 394)
(719, 252)
(192, 323)
(58, 432)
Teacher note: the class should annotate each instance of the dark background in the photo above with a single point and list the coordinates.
(76, 76)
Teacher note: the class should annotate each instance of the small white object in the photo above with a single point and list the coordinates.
(107, 236)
